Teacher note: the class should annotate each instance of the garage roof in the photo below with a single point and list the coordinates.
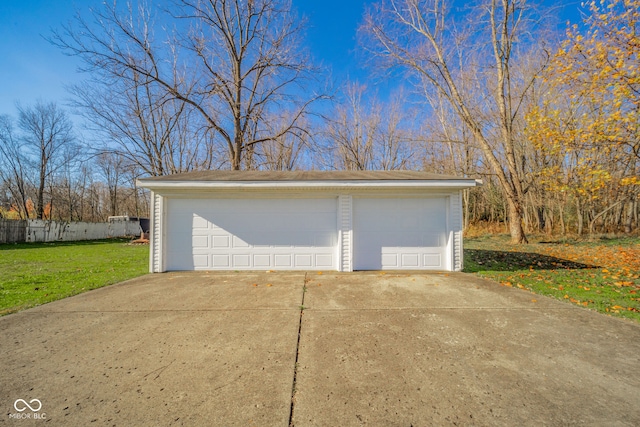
(219, 175)
(227, 179)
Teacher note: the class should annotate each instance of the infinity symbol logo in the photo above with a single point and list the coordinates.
(27, 405)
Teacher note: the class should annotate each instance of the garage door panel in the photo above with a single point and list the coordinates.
(241, 260)
(389, 260)
(201, 261)
(200, 242)
(324, 260)
(220, 242)
(251, 234)
(283, 260)
(221, 261)
(237, 242)
(200, 223)
(410, 260)
(400, 233)
(432, 260)
(324, 240)
(432, 240)
(262, 260)
(303, 260)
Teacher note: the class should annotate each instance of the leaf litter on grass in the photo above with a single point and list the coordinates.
(601, 275)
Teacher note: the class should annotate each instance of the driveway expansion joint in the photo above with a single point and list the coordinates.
(295, 366)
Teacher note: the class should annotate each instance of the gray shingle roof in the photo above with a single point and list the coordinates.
(230, 176)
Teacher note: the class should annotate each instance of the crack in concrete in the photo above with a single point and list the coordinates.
(295, 366)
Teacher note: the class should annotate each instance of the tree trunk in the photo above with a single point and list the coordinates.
(40, 203)
(515, 222)
(629, 218)
(579, 216)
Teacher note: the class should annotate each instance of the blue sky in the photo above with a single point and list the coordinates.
(31, 68)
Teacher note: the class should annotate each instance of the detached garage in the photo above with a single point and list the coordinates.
(311, 220)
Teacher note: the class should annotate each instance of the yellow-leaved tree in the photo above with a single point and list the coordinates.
(588, 122)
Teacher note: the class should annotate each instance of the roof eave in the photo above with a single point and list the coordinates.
(243, 185)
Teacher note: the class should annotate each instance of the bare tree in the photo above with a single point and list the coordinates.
(232, 61)
(142, 124)
(421, 37)
(13, 166)
(367, 134)
(111, 167)
(287, 152)
(48, 137)
(66, 186)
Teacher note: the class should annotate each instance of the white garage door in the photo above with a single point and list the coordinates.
(400, 234)
(251, 234)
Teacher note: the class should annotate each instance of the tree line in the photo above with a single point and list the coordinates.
(47, 172)
(548, 120)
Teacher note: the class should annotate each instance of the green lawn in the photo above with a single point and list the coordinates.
(602, 274)
(36, 273)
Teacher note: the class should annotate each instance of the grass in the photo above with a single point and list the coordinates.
(32, 274)
(599, 274)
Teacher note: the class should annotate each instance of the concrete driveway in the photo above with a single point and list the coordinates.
(278, 349)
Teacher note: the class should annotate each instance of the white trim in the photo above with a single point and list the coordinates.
(240, 185)
(156, 240)
(345, 233)
(456, 230)
(451, 249)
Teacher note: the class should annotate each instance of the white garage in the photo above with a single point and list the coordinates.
(309, 220)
